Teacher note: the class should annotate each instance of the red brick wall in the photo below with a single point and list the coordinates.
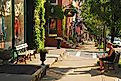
(59, 28)
(50, 41)
(59, 2)
(66, 2)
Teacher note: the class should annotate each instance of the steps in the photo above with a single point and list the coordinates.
(66, 44)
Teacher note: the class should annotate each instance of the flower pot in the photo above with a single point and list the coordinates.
(43, 56)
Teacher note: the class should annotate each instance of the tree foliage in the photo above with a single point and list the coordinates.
(57, 10)
(92, 23)
(107, 12)
(39, 21)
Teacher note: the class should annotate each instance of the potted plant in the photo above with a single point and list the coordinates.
(43, 53)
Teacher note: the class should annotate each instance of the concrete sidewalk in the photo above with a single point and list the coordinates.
(53, 55)
(77, 69)
(33, 70)
(80, 69)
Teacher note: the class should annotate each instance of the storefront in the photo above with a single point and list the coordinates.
(12, 25)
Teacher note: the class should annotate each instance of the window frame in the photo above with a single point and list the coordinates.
(56, 3)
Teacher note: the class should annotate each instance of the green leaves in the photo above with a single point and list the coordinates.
(57, 11)
(103, 12)
(39, 21)
(91, 20)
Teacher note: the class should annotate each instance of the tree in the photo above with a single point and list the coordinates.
(108, 12)
(115, 28)
(92, 23)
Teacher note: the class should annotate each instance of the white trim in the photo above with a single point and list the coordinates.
(55, 3)
(52, 35)
(78, 54)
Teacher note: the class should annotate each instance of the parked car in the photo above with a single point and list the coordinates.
(117, 42)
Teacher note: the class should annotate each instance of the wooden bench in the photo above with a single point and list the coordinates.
(112, 65)
(23, 53)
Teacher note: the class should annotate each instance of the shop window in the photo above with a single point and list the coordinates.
(19, 22)
(5, 24)
(52, 27)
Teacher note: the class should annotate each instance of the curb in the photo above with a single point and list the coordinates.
(39, 74)
(57, 58)
(47, 66)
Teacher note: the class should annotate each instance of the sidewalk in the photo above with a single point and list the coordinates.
(77, 69)
(33, 70)
(72, 68)
(52, 56)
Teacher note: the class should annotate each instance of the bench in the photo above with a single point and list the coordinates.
(23, 53)
(112, 65)
(32, 52)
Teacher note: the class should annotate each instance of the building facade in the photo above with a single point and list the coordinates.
(11, 23)
(16, 23)
(60, 27)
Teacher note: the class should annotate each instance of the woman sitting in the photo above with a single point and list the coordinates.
(110, 57)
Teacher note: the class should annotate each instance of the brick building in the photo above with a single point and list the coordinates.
(54, 25)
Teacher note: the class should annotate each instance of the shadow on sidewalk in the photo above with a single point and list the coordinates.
(111, 73)
(93, 71)
(52, 76)
(55, 73)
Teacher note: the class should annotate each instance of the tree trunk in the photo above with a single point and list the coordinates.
(112, 34)
(104, 36)
(112, 38)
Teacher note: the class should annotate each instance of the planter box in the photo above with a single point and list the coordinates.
(19, 72)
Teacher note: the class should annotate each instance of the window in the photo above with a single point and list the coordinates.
(5, 24)
(54, 2)
(19, 22)
(52, 27)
